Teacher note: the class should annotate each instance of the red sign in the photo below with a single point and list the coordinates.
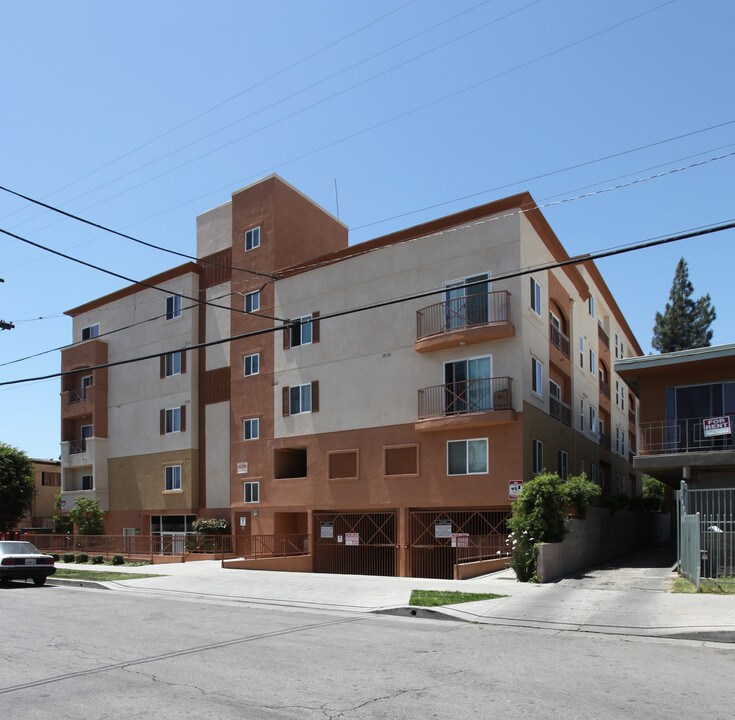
(716, 426)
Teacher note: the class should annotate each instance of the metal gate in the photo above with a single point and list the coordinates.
(355, 543)
(714, 510)
(440, 540)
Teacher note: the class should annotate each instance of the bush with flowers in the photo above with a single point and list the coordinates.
(538, 516)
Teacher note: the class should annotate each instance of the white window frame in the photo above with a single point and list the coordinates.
(172, 480)
(537, 376)
(591, 306)
(554, 390)
(253, 360)
(581, 351)
(593, 362)
(86, 381)
(254, 425)
(617, 343)
(617, 440)
(251, 239)
(170, 365)
(300, 389)
(172, 422)
(617, 392)
(251, 492)
(93, 331)
(537, 456)
(582, 418)
(593, 420)
(298, 326)
(466, 443)
(593, 472)
(252, 301)
(535, 296)
(562, 463)
(173, 307)
(623, 393)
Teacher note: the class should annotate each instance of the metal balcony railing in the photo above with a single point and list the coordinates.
(463, 312)
(682, 436)
(560, 411)
(465, 398)
(559, 340)
(603, 336)
(77, 396)
(604, 388)
(605, 441)
(77, 446)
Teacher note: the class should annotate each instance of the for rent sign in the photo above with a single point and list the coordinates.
(716, 426)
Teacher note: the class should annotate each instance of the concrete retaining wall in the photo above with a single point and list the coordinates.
(599, 538)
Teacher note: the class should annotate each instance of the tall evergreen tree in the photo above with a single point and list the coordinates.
(684, 323)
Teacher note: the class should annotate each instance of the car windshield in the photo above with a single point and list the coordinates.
(18, 548)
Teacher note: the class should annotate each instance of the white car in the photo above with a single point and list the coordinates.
(24, 561)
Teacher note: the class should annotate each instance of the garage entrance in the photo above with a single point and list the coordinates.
(355, 543)
(439, 540)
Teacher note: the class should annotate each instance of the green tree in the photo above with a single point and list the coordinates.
(684, 323)
(17, 487)
(88, 517)
(653, 492)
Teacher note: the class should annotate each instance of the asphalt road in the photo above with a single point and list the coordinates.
(80, 653)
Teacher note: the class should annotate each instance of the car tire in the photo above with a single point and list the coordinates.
(39, 581)
(4, 581)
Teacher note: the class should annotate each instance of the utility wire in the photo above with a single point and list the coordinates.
(132, 280)
(579, 259)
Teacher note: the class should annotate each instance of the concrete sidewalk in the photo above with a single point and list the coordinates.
(628, 598)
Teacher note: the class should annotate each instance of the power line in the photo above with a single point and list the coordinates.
(132, 280)
(580, 259)
(229, 99)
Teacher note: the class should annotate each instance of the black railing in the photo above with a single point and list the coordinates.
(560, 411)
(463, 312)
(559, 340)
(465, 398)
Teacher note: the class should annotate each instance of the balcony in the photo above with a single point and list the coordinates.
(472, 403)
(83, 401)
(605, 441)
(603, 337)
(465, 320)
(631, 417)
(604, 389)
(560, 411)
(559, 340)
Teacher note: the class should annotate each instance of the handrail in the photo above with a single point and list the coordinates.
(463, 312)
(465, 397)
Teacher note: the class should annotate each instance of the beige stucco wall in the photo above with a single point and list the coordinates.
(218, 325)
(368, 370)
(138, 482)
(214, 230)
(217, 423)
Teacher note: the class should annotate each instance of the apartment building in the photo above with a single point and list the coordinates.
(385, 441)
(47, 483)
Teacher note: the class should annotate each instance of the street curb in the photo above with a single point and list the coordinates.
(419, 612)
(76, 583)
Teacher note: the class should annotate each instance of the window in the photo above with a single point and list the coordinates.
(617, 392)
(87, 380)
(593, 419)
(466, 302)
(292, 462)
(252, 301)
(537, 457)
(562, 463)
(581, 351)
(617, 344)
(581, 466)
(87, 482)
(622, 350)
(251, 492)
(591, 306)
(535, 297)
(622, 397)
(51, 479)
(622, 443)
(251, 364)
(301, 331)
(467, 457)
(593, 362)
(173, 363)
(252, 238)
(251, 429)
(593, 472)
(299, 399)
(173, 477)
(468, 385)
(537, 376)
(173, 307)
(581, 414)
(554, 390)
(617, 440)
(91, 331)
(173, 420)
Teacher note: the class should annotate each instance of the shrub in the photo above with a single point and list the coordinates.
(82, 558)
(68, 557)
(118, 560)
(55, 557)
(577, 490)
(62, 524)
(88, 517)
(98, 560)
(653, 492)
(211, 526)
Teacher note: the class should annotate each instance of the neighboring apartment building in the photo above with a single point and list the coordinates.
(687, 415)
(380, 438)
(47, 481)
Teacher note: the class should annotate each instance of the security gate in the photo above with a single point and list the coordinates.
(442, 539)
(355, 543)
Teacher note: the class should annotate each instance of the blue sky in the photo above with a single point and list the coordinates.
(142, 115)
